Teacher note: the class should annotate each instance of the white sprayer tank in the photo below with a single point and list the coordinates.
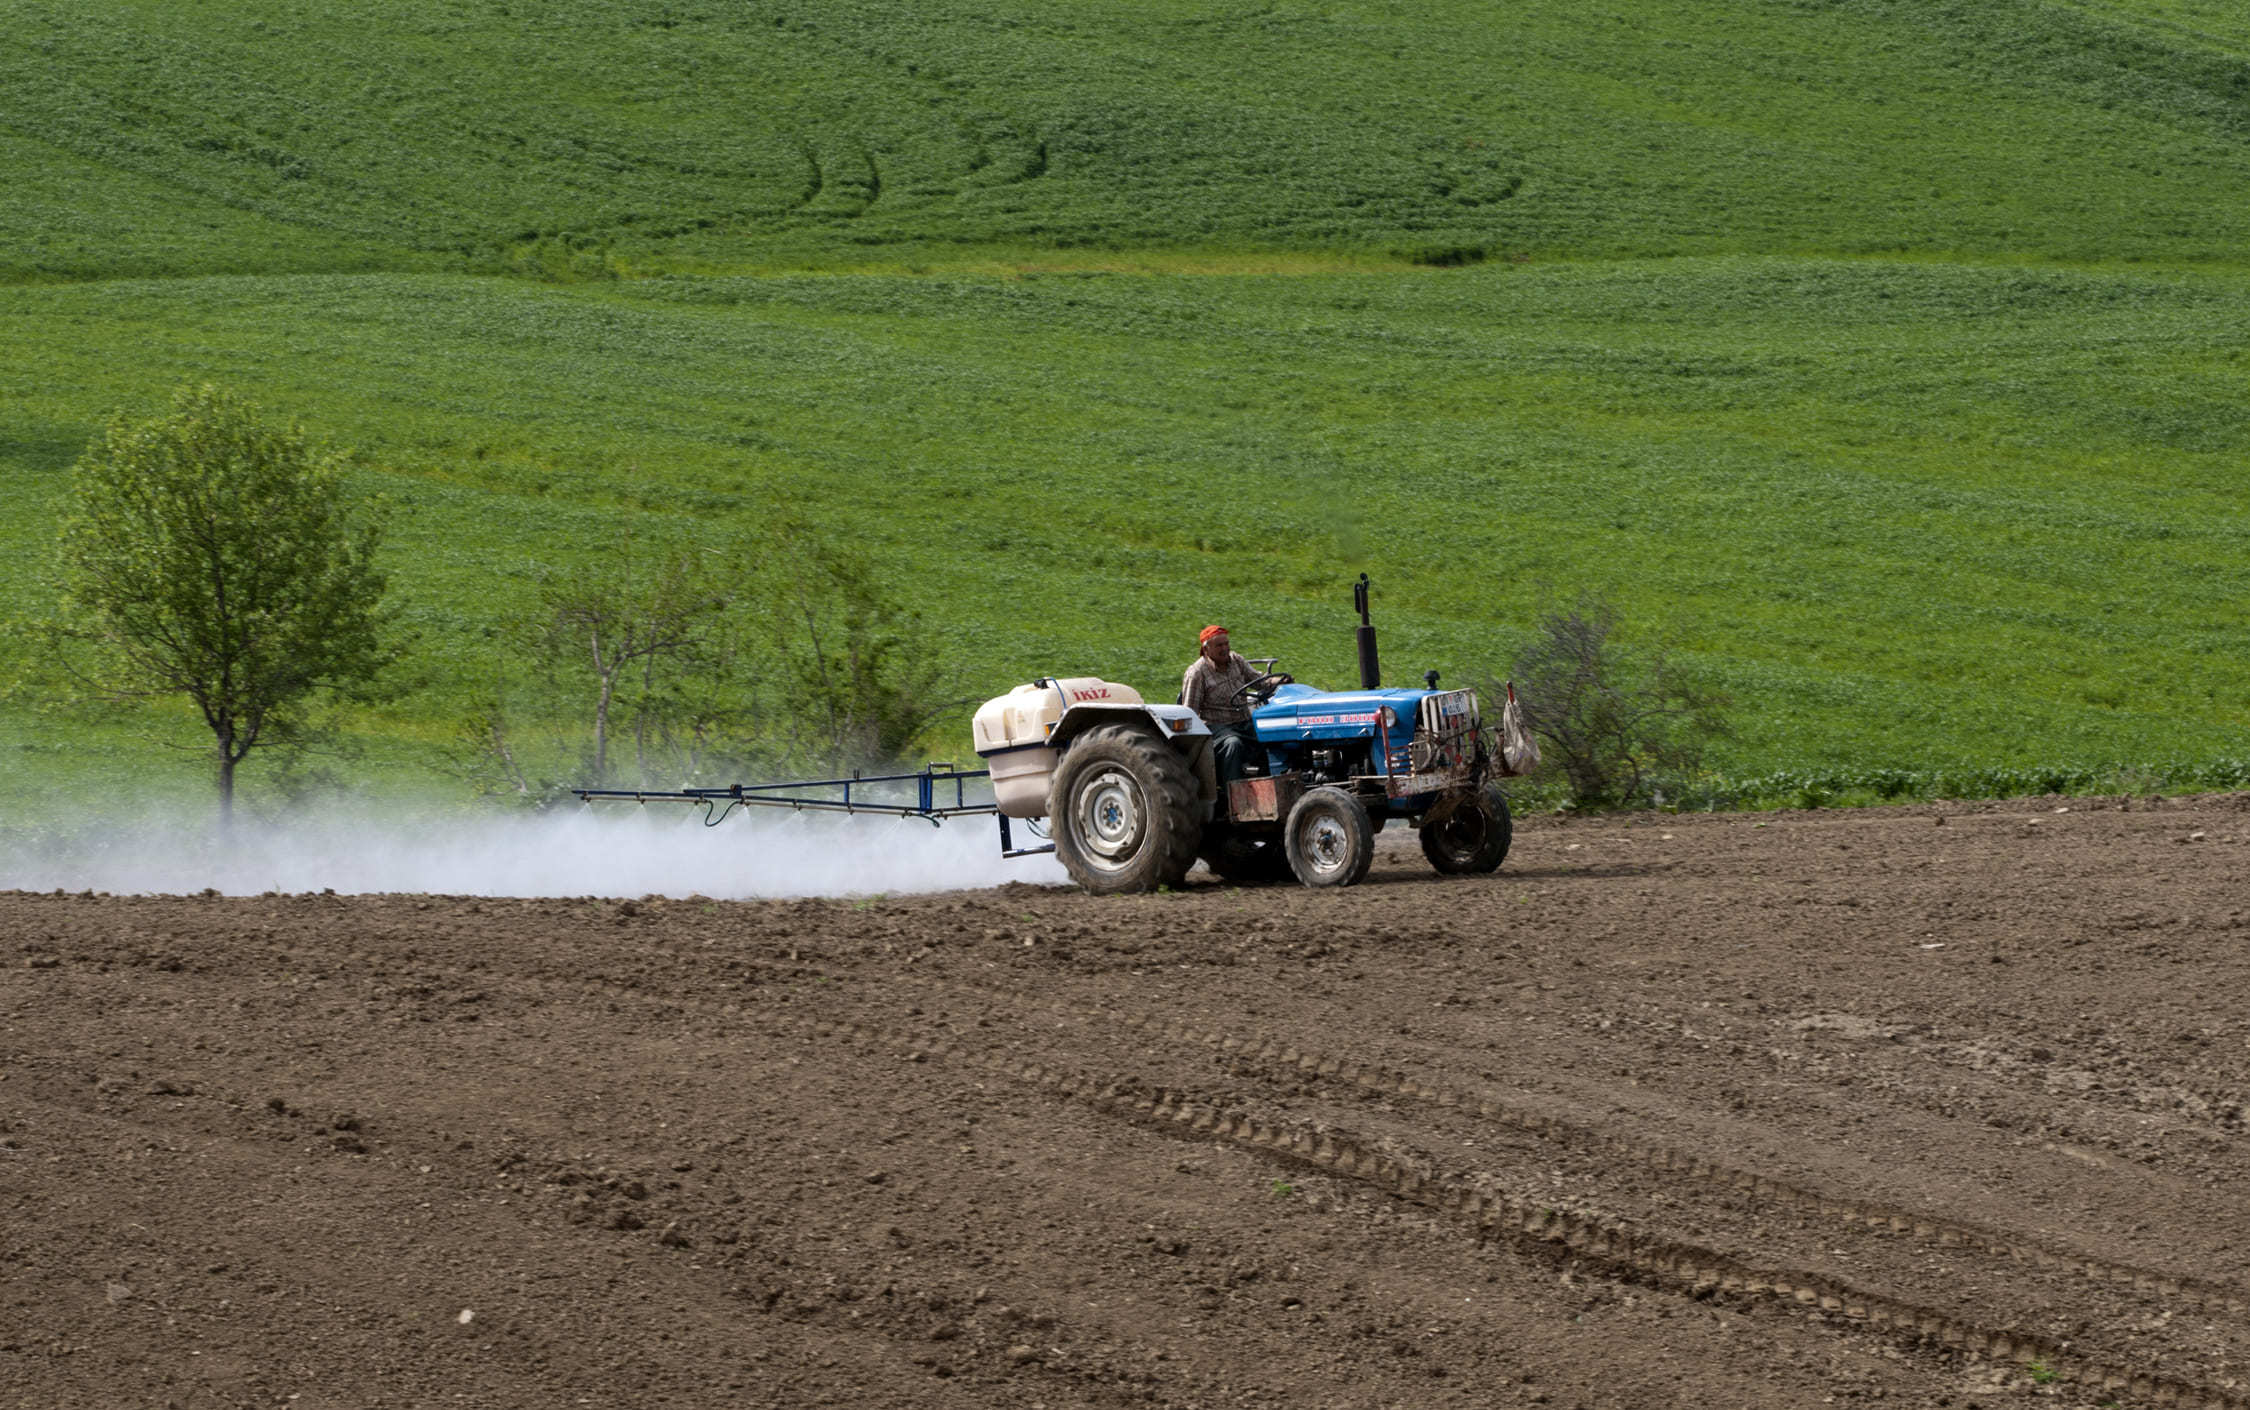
(1012, 730)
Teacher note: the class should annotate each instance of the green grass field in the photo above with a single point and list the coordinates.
(226, 135)
(1888, 358)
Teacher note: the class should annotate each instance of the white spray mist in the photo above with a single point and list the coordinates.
(626, 851)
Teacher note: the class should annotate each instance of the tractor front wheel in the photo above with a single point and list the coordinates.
(1470, 833)
(1329, 838)
(1123, 810)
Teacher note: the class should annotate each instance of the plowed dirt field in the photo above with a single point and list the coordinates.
(1931, 1107)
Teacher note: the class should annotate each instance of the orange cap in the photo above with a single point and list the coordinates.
(1208, 633)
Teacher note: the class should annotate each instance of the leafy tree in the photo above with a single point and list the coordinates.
(864, 685)
(1613, 723)
(210, 555)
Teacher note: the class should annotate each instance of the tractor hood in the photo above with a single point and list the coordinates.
(1300, 712)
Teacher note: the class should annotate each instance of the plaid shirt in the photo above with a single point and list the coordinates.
(1209, 690)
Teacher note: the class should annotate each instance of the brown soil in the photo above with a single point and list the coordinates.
(1936, 1106)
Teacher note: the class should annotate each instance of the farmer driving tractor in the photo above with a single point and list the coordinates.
(1214, 688)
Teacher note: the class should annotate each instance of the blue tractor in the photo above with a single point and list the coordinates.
(1131, 796)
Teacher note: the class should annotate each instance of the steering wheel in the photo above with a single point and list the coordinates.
(1259, 690)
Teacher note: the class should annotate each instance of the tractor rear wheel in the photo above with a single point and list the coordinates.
(1329, 838)
(1124, 812)
(1472, 834)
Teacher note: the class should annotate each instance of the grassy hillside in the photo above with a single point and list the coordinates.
(1909, 514)
(1887, 356)
(219, 135)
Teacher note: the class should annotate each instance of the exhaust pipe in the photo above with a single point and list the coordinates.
(1370, 674)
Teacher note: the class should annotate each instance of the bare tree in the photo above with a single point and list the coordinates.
(654, 639)
(783, 653)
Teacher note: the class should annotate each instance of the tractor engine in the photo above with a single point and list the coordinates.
(1334, 765)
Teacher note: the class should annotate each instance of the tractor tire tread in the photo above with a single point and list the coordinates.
(1359, 837)
(1459, 850)
(1167, 782)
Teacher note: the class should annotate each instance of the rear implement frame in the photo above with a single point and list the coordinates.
(940, 791)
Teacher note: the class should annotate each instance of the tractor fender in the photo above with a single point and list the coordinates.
(1176, 723)
(1180, 726)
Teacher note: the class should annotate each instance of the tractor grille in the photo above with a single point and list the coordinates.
(1445, 731)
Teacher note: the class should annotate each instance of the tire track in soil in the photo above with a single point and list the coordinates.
(1535, 1227)
(779, 1286)
(828, 1304)
(2025, 1257)
(2186, 1293)
(1477, 1201)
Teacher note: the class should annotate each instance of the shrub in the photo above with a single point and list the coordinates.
(1614, 725)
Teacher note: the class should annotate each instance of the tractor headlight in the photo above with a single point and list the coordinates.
(1390, 718)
